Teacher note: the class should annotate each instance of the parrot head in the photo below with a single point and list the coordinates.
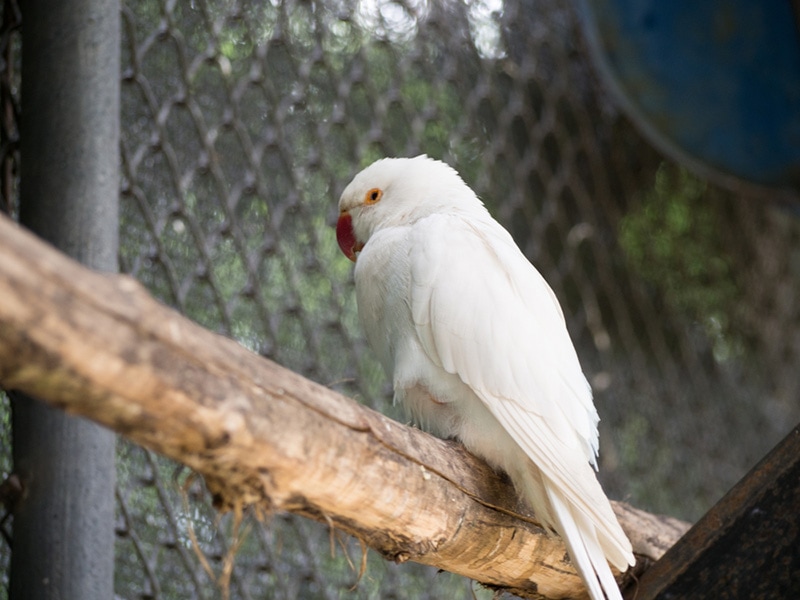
(397, 191)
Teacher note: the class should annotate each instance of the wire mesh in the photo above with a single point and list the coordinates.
(243, 121)
(9, 175)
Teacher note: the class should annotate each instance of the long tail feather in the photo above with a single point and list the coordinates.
(580, 537)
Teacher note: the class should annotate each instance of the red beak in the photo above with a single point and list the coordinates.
(347, 237)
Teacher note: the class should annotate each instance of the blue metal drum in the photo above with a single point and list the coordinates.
(713, 83)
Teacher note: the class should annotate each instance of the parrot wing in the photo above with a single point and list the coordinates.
(485, 314)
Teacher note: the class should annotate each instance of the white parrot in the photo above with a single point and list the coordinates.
(477, 348)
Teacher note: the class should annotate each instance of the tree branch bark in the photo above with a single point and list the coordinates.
(98, 345)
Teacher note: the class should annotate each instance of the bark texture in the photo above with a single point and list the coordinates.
(98, 345)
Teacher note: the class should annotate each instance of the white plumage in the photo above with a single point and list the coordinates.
(476, 345)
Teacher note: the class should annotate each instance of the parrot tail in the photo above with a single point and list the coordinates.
(580, 535)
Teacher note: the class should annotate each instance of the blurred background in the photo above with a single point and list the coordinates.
(241, 124)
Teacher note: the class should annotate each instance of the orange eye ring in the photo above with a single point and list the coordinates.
(373, 196)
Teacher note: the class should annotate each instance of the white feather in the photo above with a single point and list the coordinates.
(477, 348)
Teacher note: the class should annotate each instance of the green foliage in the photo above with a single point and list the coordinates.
(674, 242)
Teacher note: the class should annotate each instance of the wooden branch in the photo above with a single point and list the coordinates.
(99, 346)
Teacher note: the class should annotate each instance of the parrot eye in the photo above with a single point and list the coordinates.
(373, 196)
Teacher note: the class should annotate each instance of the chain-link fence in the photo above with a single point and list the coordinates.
(243, 121)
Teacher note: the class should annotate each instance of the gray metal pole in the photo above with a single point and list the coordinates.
(63, 544)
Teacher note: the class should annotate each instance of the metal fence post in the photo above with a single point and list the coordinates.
(63, 544)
